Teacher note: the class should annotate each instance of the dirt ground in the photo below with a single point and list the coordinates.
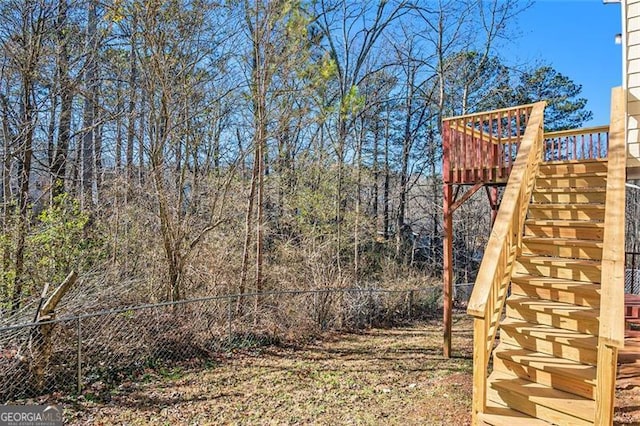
(380, 376)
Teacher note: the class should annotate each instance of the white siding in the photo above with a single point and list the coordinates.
(631, 49)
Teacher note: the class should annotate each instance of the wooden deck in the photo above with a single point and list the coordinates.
(628, 379)
(629, 357)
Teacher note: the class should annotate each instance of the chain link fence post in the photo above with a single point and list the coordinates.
(410, 305)
(316, 313)
(370, 310)
(229, 320)
(79, 355)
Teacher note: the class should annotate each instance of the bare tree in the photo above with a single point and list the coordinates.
(349, 46)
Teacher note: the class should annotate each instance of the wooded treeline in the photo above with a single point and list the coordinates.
(198, 146)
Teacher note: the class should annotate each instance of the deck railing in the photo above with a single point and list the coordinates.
(590, 143)
(611, 330)
(492, 283)
(483, 147)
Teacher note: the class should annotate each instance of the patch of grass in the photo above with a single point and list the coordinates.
(381, 376)
(171, 373)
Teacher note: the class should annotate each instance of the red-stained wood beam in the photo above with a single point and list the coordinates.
(492, 195)
(457, 203)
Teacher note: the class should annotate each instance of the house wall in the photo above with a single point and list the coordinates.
(631, 80)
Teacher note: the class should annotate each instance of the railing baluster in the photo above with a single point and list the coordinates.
(496, 147)
(580, 144)
(465, 154)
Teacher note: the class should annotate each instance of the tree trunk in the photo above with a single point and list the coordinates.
(407, 142)
(119, 112)
(376, 173)
(7, 138)
(59, 167)
(24, 173)
(247, 230)
(356, 226)
(133, 91)
(342, 136)
(89, 120)
(387, 179)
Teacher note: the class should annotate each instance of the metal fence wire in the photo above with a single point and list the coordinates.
(462, 293)
(99, 350)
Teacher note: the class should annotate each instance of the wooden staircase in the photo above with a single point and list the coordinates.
(545, 366)
(551, 282)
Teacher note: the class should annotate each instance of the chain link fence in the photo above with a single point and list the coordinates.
(99, 350)
(462, 294)
(632, 273)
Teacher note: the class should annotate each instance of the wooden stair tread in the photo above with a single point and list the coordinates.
(571, 245)
(556, 289)
(499, 415)
(541, 395)
(559, 261)
(582, 161)
(560, 241)
(585, 180)
(563, 223)
(547, 362)
(560, 206)
(571, 268)
(559, 282)
(551, 307)
(556, 283)
(570, 190)
(564, 316)
(551, 334)
(598, 173)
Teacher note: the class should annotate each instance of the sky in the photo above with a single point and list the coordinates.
(576, 37)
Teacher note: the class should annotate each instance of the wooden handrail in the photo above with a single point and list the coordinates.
(519, 184)
(576, 132)
(483, 136)
(613, 246)
(492, 283)
(611, 329)
(502, 111)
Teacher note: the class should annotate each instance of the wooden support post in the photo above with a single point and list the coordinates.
(492, 194)
(606, 379)
(448, 268)
(480, 362)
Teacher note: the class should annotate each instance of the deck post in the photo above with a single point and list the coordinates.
(492, 193)
(447, 275)
(606, 379)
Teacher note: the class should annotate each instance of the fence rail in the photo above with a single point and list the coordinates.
(96, 351)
